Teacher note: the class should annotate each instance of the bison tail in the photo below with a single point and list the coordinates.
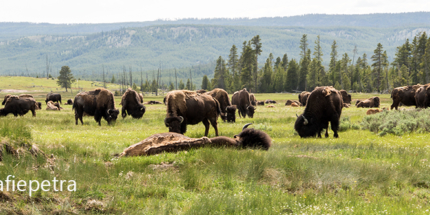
(218, 107)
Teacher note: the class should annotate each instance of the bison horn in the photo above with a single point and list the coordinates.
(246, 126)
(181, 118)
(306, 121)
(141, 108)
(297, 116)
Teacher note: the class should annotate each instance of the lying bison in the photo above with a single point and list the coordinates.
(252, 99)
(55, 97)
(18, 106)
(131, 104)
(152, 103)
(98, 103)
(231, 113)
(174, 142)
(303, 97)
(369, 103)
(260, 102)
(69, 102)
(52, 106)
(346, 97)
(324, 105)
(222, 97)
(269, 101)
(290, 102)
(241, 100)
(189, 108)
(404, 95)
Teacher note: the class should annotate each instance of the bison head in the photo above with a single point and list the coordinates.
(174, 124)
(139, 113)
(112, 115)
(231, 113)
(251, 138)
(250, 110)
(306, 126)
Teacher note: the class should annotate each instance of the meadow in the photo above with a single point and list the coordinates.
(358, 173)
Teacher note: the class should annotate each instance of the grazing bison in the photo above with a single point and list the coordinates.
(290, 102)
(201, 91)
(231, 113)
(55, 97)
(260, 102)
(252, 99)
(241, 100)
(131, 104)
(303, 97)
(152, 102)
(369, 103)
(189, 108)
(422, 96)
(98, 103)
(174, 142)
(222, 97)
(24, 96)
(69, 102)
(345, 96)
(18, 106)
(405, 95)
(324, 106)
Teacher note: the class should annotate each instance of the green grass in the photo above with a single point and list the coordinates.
(358, 173)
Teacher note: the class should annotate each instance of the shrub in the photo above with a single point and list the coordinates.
(346, 124)
(398, 122)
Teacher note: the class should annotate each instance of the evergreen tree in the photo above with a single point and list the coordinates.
(285, 62)
(291, 79)
(233, 63)
(255, 41)
(188, 86)
(248, 59)
(181, 85)
(332, 65)
(113, 79)
(303, 72)
(344, 72)
(404, 76)
(266, 86)
(278, 62)
(65, 79)
(377, 65)
(317, 49)
(205, 83)
(278, 78)
(220, 73)
(425, 64)
(171, 87)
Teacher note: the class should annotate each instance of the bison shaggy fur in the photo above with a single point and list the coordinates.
(369, 103)
(18, 106)
(346, 97)
(222, 97)
(404, 95)
(303, 97)
(131, 104)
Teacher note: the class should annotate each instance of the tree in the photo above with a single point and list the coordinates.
(188, 86)
(171, 87)
(219, 79)
(65, 79)
(266, 86)
(378, 63)
(247, 60)
(285, 62)
(205, 83)
(291, 79)
(181, 85)
(257, 51)
(317, 49)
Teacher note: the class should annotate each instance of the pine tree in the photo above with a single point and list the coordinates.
(248, 59)
(285, 62)
(426, 62)
(171, 87)
(278, 78)
(378, 64)
(267, 76)
(404, 76)
(233, 63)
(220, 73)
(181, 85)
(188, 85)
(291, 79)
(255, 41)
(205, 83)
(332, 65)
(304, 64)
(278, 62)
(113, 79)
(317, 49)
(344, 72)
(65, 79)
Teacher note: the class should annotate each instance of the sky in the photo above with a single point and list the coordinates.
(113, 11)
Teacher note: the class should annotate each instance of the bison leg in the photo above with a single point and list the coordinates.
(98, 117)
(33, 111)
(394, 105)
(206, 123)
(334, 125)
(123, 112)
(214, 124)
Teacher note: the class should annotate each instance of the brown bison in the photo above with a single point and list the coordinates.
(252, 99)
(269, 101)
(422, 99)
(152, 103)
(324, 105)
(303, 97)
(231, 113)
(201, 91)
(270, 106)
(18, 106)
(290, 102)
(294, 105)
(131, 104)
(174, 142)
(98, 103)
(241, 100)
(222, 97)
(345, 96)
(69, 102)
(369, 103)
(356, 102)
(189, 108)
(55, 97)
(260, 102)
(404, 95)
(51, 106)
(24, 96)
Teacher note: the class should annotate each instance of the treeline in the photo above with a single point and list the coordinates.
(364, 73)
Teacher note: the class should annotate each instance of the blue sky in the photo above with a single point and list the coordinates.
(109, 11)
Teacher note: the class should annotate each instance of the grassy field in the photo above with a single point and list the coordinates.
(358, 173)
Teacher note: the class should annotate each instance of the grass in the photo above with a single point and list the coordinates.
(358, 173)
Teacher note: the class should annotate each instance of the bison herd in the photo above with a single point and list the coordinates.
(322, 106)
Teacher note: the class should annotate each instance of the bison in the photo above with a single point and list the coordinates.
(252, 99)
(69, 102)
(241, 100)
(294, 105)
(55, 97)
(131, 104)
(51, 106)
(18, 106)
(290, 102)
(231, 113)
(324, 105)
(303, 97)
(345, 96)
(373, 111)
(405, 95)
(422, 96)
(189, 108)
(260, 102)
(201, 91)
(269, 101)
(98, 103)
(24, 96)
(174, 142)
(222, 97)
(152, 102)
(369, 103)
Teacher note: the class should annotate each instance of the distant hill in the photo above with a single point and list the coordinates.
(383, 20)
